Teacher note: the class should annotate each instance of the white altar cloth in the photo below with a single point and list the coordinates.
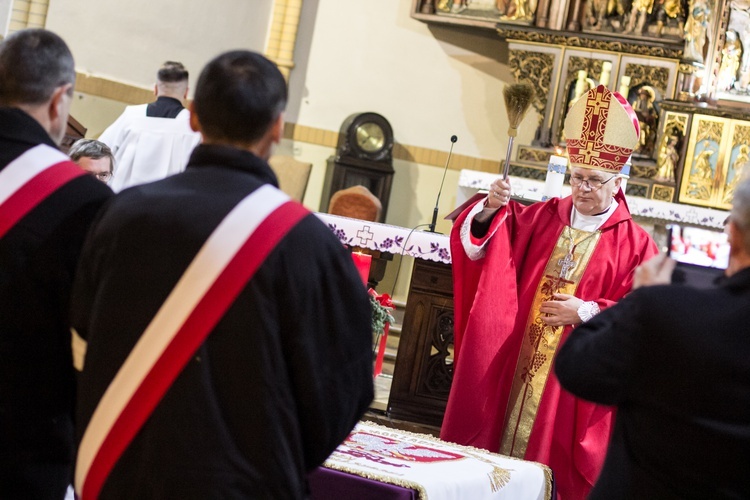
(436, 469)
(392, 239)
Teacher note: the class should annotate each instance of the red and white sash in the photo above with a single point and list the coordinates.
(30, 179)
(212, 281)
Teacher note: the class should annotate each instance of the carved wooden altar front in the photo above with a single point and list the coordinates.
(423, 373)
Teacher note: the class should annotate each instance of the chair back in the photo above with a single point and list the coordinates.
(293, 175)
(356, 202)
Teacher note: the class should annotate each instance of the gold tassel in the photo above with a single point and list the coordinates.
(499, 478)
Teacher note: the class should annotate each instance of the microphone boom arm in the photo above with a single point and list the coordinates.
(437, 202)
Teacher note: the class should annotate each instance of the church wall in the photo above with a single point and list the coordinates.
(127, 42)
(5, 13)
(430, 82)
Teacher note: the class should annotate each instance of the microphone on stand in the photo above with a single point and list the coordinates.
(437, 202)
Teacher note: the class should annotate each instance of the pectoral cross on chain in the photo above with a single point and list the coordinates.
(567, 264)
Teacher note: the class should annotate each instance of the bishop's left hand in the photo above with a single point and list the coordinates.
(561, 311)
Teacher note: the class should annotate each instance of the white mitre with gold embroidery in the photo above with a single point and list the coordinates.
(601, 131)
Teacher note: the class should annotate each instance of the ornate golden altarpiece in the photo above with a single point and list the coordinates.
(680, 63)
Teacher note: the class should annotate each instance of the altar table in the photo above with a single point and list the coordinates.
(377, 462)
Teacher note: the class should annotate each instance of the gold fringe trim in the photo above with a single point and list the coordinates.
(499, 477)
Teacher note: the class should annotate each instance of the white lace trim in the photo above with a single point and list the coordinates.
(588, 310)
(474, 252)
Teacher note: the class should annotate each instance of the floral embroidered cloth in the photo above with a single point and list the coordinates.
(387, 238)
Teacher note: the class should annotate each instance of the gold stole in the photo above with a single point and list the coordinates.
(562, 274)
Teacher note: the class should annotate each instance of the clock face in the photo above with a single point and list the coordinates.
(367, 137)
(370, 137)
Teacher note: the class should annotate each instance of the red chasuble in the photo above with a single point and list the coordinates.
(493, 300)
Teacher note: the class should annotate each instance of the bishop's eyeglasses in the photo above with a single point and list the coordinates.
(592, 183)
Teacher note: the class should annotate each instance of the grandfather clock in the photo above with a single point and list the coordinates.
(364, 156)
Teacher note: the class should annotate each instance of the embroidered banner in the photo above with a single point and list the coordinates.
(436, 469)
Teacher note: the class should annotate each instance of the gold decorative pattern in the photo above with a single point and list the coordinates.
(643, 171)
(612, 45)
(662, 193)
(535, 68)
(675, 122)
(735, 163)
(703, 170)
(741, 135)
(531, 154)
(636, 189)
(562, 274)
(528, 171)
(710, 130)
(657, 77)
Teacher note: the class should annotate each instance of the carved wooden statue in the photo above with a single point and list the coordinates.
(696, 31)
(731, 54)
(639, 13)
(668, 157)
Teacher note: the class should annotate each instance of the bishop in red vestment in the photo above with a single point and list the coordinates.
(524, 276)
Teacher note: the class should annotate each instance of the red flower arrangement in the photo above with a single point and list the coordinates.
(382, 305)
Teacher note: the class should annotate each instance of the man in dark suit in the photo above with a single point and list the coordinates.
(674, 360)
(286, 371)
(47, 204)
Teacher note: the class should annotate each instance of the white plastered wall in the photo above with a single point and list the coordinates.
(430, 82)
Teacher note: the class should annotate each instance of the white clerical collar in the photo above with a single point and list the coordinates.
(591, 222)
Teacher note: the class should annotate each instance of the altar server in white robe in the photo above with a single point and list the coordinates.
(153, 141)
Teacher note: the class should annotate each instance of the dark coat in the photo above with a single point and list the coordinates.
(38, 257)
(279, 382)
(676, 362)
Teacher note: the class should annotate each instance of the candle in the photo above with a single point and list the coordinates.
(362, 261)
(625, 174)
(624, 86)
(555, 177)
(606, 73)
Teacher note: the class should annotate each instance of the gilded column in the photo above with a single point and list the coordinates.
(283, 34)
